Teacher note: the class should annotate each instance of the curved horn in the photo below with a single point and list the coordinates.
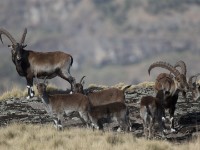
(9, 36)
(164, 65)
(182, 65)
(82, 79)
(23, 36)
(190, 79)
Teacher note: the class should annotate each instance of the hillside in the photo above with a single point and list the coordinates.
(110, 40)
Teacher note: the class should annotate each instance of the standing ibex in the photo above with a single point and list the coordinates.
(194, 87)
(151, 110)
(30, 64)
(58, 104)
(171, 85)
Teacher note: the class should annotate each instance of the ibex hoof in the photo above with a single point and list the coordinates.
(165, 131)
(173, 130)
(163, 119)
(29, 97)
(59, 127)
(119, 129)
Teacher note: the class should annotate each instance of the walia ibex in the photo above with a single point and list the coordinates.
(116, 111)
(169, 82)
(151, 110)
(58, 104)
(102, 97)
(30, 64)
(171, 85)
(106, 104)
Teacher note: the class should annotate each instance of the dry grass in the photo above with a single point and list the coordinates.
(123, 85)
(17, 92)
(45, 137)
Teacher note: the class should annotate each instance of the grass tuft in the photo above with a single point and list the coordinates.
(115, 139)
(17, 92)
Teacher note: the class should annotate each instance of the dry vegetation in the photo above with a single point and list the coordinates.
(34, 137)
(17, 92)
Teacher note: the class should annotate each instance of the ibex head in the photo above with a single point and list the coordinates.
(180, 79)
(194, 87)
(16, 48)
(41, 87)
(78, 87)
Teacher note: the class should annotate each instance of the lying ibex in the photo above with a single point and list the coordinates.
(103, 97)
(171, 85)
(58, 104)
(151, 110)
(116, 111)
(194, 87)
(30, 64)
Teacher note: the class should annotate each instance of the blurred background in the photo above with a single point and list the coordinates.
(111, 41)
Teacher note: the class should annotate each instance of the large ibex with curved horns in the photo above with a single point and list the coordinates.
(171, 84)
(30, 64)
(194, 87)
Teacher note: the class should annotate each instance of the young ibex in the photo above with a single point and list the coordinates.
(171, 85)
(116, 111)
(194, 87)
(151, 110)
(102, 97)
(30, 64)
(58, 104)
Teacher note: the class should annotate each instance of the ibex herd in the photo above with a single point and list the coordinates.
(96, 108)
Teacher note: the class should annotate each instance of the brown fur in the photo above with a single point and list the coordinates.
(114, 111)
(103, 97)
(165, 82)
(107, 96)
